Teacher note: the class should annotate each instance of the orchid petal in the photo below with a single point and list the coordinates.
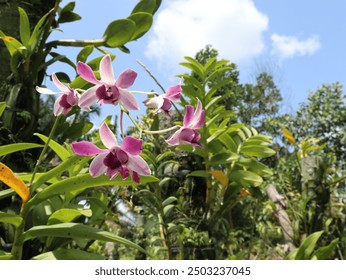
(85, 71)
(97, 166)
(85, 148)
(173, 93)
(198, 117)
(155, 102)
(59, 84)
(127, 100)
(135, 177)
(58, 109)
(132, 145)
(174, 139)
(111, 173)
(186, 135)
(106, 70)
(126, 78)
(107, 137)
(88, 98)
(188, 118)
(44, 90)
(139, 165)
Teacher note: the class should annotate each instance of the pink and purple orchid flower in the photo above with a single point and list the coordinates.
(163, 102)
(116, 159)
(107, 90)
(68, 96)
(188, 134)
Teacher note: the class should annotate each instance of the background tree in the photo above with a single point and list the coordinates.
(252, 104)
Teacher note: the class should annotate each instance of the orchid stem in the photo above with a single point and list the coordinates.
(121, 123)
(133, 120)
(43, 152)
(151, 75)
(161, 131)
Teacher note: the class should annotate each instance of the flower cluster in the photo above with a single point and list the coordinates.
(124, 158)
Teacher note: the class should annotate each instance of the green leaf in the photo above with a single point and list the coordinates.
(325, 252)
(6, 193)
(24, 27)
(85, 181)
(255, 166)
(306, 248)
(69, 254)
(169, 201)
(66, 215)
(69, 7)
(257, 151)
(119, 32)
(245, 178)
(199, 173)
(84, 53)
(62, 58)
(223, 158)
(95, 63)
(70, 163)
(73, 230)
(143, 23)
(10, 219)
(55, 146)
(2, 107)
(193, 65)
(12, 148)
(68, 17)
(5, 256)
(148, 6)
(12, 44)
(78, 129)
(38, 31)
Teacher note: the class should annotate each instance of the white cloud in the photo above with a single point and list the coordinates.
(183, 27)
(289, 46)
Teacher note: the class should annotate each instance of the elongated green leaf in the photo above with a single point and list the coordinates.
(6, 193)
(2, 107)
(69, 17)
(84, 53)
(12, 44)
(24, 27)
(5, 256)
(194, 67)
(143, 23)
(56, 171)
(169, 200)
(55, 146)
(148, 6)
(66, 215)
(246, 178)
(69, 254)
(199, 173)
(73, 230)
(119, 32)
(37, 32)
(12, 148)
(12, 219)
(325, 252)
(257, 151)
(83, 182)
(255, 166)
(307, 247)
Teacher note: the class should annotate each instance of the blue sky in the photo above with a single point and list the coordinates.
(302, 43)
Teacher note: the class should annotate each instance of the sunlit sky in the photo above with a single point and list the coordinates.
(301, 43)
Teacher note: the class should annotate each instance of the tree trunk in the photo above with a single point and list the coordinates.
(282, 216)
